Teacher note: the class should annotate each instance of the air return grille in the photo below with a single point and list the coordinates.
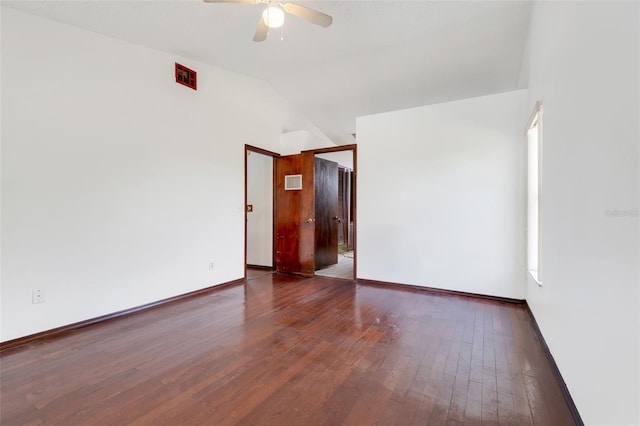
(292, 182)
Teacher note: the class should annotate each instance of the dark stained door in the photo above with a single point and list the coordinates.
(327, 213)
(295, 216)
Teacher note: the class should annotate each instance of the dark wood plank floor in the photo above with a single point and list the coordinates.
(281, 350)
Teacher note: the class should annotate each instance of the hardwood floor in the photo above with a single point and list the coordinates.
(280, 350)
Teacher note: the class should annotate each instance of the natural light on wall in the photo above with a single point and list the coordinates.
(534, 181)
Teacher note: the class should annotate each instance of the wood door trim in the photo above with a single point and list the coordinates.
(261, 150)
(250, 148)
(351, 147)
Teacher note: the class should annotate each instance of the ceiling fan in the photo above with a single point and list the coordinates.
(273, 15)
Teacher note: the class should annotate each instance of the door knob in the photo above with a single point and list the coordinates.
(310, 220)
(338, 219)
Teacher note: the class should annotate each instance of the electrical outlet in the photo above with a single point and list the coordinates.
(38, 296)
(211, 265)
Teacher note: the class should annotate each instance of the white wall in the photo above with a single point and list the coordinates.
(584, 67)
(260, 220)
(441, 195)
(119, 185)
(343, 158)
(294, 142)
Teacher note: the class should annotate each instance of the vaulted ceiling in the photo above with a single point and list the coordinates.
(377, 56)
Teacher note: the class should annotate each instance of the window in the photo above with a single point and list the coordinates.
(534, 183)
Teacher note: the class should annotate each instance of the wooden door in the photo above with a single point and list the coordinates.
(295, 215)
(327, 213)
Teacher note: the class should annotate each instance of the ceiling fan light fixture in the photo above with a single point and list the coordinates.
(273, 16)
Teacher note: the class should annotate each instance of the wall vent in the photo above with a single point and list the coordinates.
(186, 76)
(292, 182)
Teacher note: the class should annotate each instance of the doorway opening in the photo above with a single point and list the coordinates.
(259, 167)
(335, 248)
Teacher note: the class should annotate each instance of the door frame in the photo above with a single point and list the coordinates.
(354, 149)
(250, 148)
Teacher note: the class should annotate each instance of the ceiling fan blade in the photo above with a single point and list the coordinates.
(261, 31)
(307, 14)
(236, 1)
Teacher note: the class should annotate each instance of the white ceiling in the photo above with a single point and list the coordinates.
(377, 56)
